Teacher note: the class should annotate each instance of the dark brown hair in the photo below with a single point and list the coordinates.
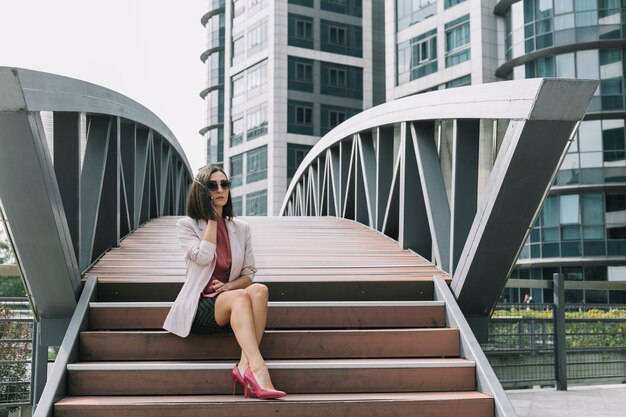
(199, 205)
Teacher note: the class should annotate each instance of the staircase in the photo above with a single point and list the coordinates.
(352, 331)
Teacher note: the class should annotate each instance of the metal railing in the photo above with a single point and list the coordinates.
(16, 334)
(521, 348)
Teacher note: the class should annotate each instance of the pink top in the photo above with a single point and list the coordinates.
(223, 258)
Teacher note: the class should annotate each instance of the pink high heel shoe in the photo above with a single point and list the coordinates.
(238, 379)
(252, 386)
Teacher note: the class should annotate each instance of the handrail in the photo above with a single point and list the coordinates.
(486, 379)
(56, 386)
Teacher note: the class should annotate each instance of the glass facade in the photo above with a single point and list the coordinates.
(581, 229)
(550, 23)
(583, 224)
(213, 57)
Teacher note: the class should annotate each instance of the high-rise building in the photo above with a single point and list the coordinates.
(280, 75)
(581, 230)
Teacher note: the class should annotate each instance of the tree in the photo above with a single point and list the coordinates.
(15, 337)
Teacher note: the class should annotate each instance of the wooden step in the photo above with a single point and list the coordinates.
(298, 377)
(293, 344)
(285, 288)
(431, 404)
(286, 315)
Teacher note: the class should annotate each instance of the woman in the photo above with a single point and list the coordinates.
(218, 294)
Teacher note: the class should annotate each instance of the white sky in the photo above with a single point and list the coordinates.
(148, 50)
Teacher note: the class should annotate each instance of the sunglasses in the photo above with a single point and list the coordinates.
(213, 185)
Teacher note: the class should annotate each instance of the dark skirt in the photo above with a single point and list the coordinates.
(204, 321)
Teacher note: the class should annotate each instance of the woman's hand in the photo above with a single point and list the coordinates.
(219, 286)
(211, 210)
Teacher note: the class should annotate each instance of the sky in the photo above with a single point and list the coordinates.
(148, 50)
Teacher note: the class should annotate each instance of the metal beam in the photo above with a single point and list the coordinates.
(35, 217)
(434, 190)
(504, 217)
(464, 190)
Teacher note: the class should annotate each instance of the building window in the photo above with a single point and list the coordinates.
(256, 164)
(459, 82)
(410, 12)
(332, 116)
(239, 7)
(300, 117)
(341, 80)
(417, 57)
(337, 35)
(336, 117)
(457, 41)
(257, 79)
(238, 89)
(616, 215)
(237, 205)
(341, 38)
(237, 128)
(307, 3)
(256, 203)
(257, 121)
(300, 31)
(239, 49)
(336, 77)
(253, 3)
(304, 115)
(349, 7)
(257, 38)
(304, 29)
(304, 72)
(236, 170)
(300, 74)
(450, 3)
(295, 155)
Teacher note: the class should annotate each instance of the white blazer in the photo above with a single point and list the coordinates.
(200, 258)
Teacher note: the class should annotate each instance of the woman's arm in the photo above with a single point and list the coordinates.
(240, 283)
(200, 251)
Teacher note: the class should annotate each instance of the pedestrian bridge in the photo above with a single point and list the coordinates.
(395, 240)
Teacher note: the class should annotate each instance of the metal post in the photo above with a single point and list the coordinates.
(560, 348)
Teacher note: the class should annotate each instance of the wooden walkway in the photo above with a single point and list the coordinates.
(352, 330)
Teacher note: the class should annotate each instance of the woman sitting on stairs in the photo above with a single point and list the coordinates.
(218, 294)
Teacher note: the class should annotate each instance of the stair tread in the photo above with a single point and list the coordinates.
(199, 399)
(137, 275)
(275, 364)
(288, 331)
(282, 304)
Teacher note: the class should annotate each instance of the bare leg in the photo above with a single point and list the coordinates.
(236, 307)
(258, 296)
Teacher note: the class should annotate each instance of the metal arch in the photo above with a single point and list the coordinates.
(116, 165)
(122, 167)
(448, 212)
